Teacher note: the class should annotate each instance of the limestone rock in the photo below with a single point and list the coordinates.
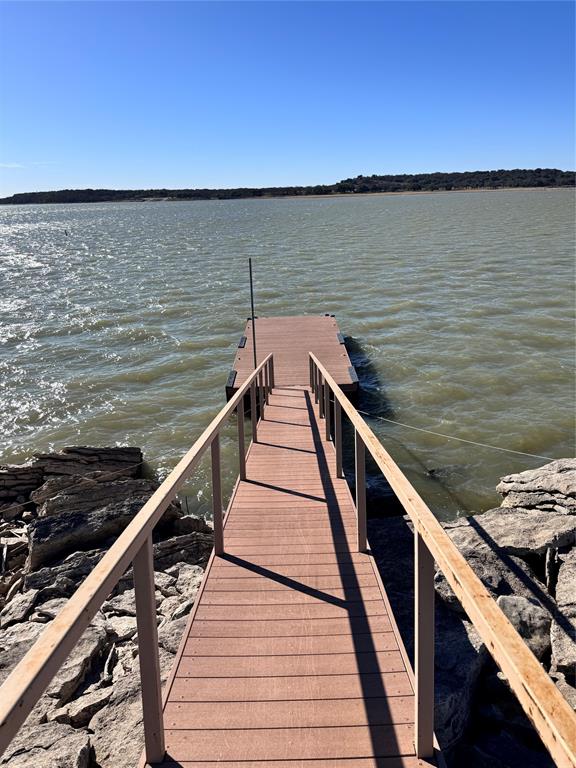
(123, 715)
(125, 604)
(500, 574)
(15, 641)
(18, 608)
(191, 548)
(189, 579)
(563, 632)
(85, 495)
(530, 620)
(516, 531)
(48, 745)
(19, 480)
(80, 460)
(48, 610)
(80, 711)
(63, 579)
(55, 536)
(460, 656)
(170, 634)
(121, 627)
(552, 486)
(165, 584)
(78, 664)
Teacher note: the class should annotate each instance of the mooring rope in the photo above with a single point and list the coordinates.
(453, 437)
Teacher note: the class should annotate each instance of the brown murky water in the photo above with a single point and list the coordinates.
(119, 323)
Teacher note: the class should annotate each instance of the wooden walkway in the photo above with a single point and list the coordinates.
(291, 657)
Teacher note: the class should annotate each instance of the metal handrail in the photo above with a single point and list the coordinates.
(29, 679)
(551, 715)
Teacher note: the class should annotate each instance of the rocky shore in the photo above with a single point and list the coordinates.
(525, 553)
(59, 513)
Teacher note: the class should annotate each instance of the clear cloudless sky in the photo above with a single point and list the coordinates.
(224, 94)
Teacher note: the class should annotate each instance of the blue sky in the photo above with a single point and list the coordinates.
(216, 94)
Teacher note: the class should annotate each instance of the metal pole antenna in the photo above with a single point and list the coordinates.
(253, 318)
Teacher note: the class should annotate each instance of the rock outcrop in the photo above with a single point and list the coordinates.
(65, 511)
(525, 554)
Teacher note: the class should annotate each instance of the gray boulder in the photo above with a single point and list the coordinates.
(460, 657)
(48, 745)
(18, 608)
(80, 460)
(563, 632)
(530, 620)
(191, 548)
(80, 711)
(121, 716)
(551, 487)
(63, 578)
(55, 536)
(515, 531)
(78, 664)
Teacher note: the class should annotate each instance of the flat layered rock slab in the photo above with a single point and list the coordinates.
(291, 657)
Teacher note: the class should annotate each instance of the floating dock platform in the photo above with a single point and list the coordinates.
(290, 340)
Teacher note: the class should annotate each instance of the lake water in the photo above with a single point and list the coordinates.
(119, 323)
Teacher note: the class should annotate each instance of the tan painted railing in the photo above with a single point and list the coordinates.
(551, 715)
(31, 676)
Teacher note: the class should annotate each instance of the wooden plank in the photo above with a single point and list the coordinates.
(290, 666)
(254, 583)
(316, 713)
(359, 762)
(290, 628)
(283, 646)
(287, 613)
(290, 596)
(291, 743)
(291, 688)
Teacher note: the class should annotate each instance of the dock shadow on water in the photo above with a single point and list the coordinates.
(372, 398)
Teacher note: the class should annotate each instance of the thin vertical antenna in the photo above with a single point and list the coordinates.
(253, 318)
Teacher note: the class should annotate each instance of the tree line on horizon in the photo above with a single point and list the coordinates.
(420, 182)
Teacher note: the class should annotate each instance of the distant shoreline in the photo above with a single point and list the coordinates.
(401, 184)
(337, 195)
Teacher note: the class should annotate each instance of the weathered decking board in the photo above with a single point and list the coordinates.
(291, 339)
(291, 657)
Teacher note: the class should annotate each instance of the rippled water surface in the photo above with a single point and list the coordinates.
(119, 323)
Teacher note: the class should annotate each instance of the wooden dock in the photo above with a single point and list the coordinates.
(290, 340)
(291, 657)
(292, 653)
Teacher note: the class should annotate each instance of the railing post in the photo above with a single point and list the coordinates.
(241, 447)
(261, 394)
(360, 456)
(338, 436)
(424, 647)
(272, 384)
(327, 413)
(316, 383)
(321, 385)
(217, 497)
(266, 384)
(311, 368)
(143, 571)
(253, 414)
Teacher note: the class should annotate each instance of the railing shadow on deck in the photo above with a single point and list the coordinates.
(378, 716)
